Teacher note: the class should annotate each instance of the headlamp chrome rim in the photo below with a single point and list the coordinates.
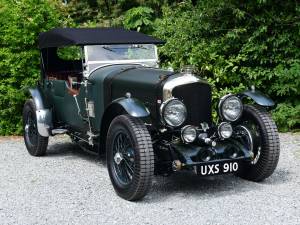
(184, 129)
(163, 107)
(222, 101)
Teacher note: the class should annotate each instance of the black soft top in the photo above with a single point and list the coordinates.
(59, 37)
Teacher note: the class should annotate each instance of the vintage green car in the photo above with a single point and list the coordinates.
(112, 98)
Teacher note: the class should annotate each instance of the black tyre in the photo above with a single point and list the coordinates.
(264, 143)
(35, 143)
(130, 157)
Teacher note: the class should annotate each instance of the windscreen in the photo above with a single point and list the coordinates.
(98, 55)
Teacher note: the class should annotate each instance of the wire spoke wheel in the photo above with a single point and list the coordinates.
(31, 133)
(261, 137)
(35, 143)
(249, 136)
(123, 158)
(130, 157)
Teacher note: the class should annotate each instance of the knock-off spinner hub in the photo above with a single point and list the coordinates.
(118, 158)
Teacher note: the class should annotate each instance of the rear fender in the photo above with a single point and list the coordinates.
(43, 114)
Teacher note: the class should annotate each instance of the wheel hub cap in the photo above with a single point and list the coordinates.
(118, 158)
(27, 128)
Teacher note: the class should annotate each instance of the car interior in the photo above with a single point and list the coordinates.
(57, 67)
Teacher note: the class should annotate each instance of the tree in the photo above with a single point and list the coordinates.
(20, 24)
(235, 44)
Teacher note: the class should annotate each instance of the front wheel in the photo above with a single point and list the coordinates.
(35, 143)
(130, 157)
(263, 141)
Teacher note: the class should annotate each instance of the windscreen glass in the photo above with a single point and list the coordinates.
(144, 52)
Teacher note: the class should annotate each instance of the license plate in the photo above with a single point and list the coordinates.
(217, 168)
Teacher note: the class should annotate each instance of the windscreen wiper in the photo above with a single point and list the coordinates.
(107, 48)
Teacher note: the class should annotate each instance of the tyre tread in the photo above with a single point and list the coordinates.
(145, 171)
(42, 143)
(270, 145)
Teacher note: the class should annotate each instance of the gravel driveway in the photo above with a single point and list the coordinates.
(69, 186)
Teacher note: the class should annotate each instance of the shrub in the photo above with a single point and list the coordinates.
(20, 22)
(236, 44)
(233, 44)
(287, 116)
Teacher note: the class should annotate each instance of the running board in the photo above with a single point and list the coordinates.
(59, 131)
(86, 149)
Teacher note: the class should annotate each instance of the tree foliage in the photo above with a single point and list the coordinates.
(139, 18)
(21, 22)
(234, 44)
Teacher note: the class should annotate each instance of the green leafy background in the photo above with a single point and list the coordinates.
(233, 44)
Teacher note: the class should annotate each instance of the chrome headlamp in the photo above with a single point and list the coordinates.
(225, 130)
(230, 108)
(173, 112)
(188, 134)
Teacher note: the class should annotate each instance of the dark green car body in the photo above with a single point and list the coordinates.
(117, 80)
(107, 88)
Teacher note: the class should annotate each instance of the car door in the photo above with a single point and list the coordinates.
(56, 91)
(65, 109)
(73, 111)
(61, 65)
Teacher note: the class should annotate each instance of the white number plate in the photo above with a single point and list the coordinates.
(217, 168)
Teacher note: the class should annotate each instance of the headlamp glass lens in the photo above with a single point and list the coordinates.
(231, 108)
(225, 130)
(189, 134)
(174, 113)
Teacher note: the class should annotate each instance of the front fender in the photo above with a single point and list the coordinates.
(258, 97)
(119, 106)
(132, 106)
(43, 115)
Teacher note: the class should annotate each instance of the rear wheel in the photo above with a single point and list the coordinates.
(130, 157)
(35, 143)
(261, 137)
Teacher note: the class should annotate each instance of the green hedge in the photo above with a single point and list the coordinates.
(236, 44)
(233, 44)
(20, 23)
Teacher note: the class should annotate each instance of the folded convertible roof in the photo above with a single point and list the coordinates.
(59, 37)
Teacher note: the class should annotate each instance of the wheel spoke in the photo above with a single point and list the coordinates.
(130, 167)
(124, 167)
(118, 144)
(31, 132)
(251, 139)
(127, 173)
